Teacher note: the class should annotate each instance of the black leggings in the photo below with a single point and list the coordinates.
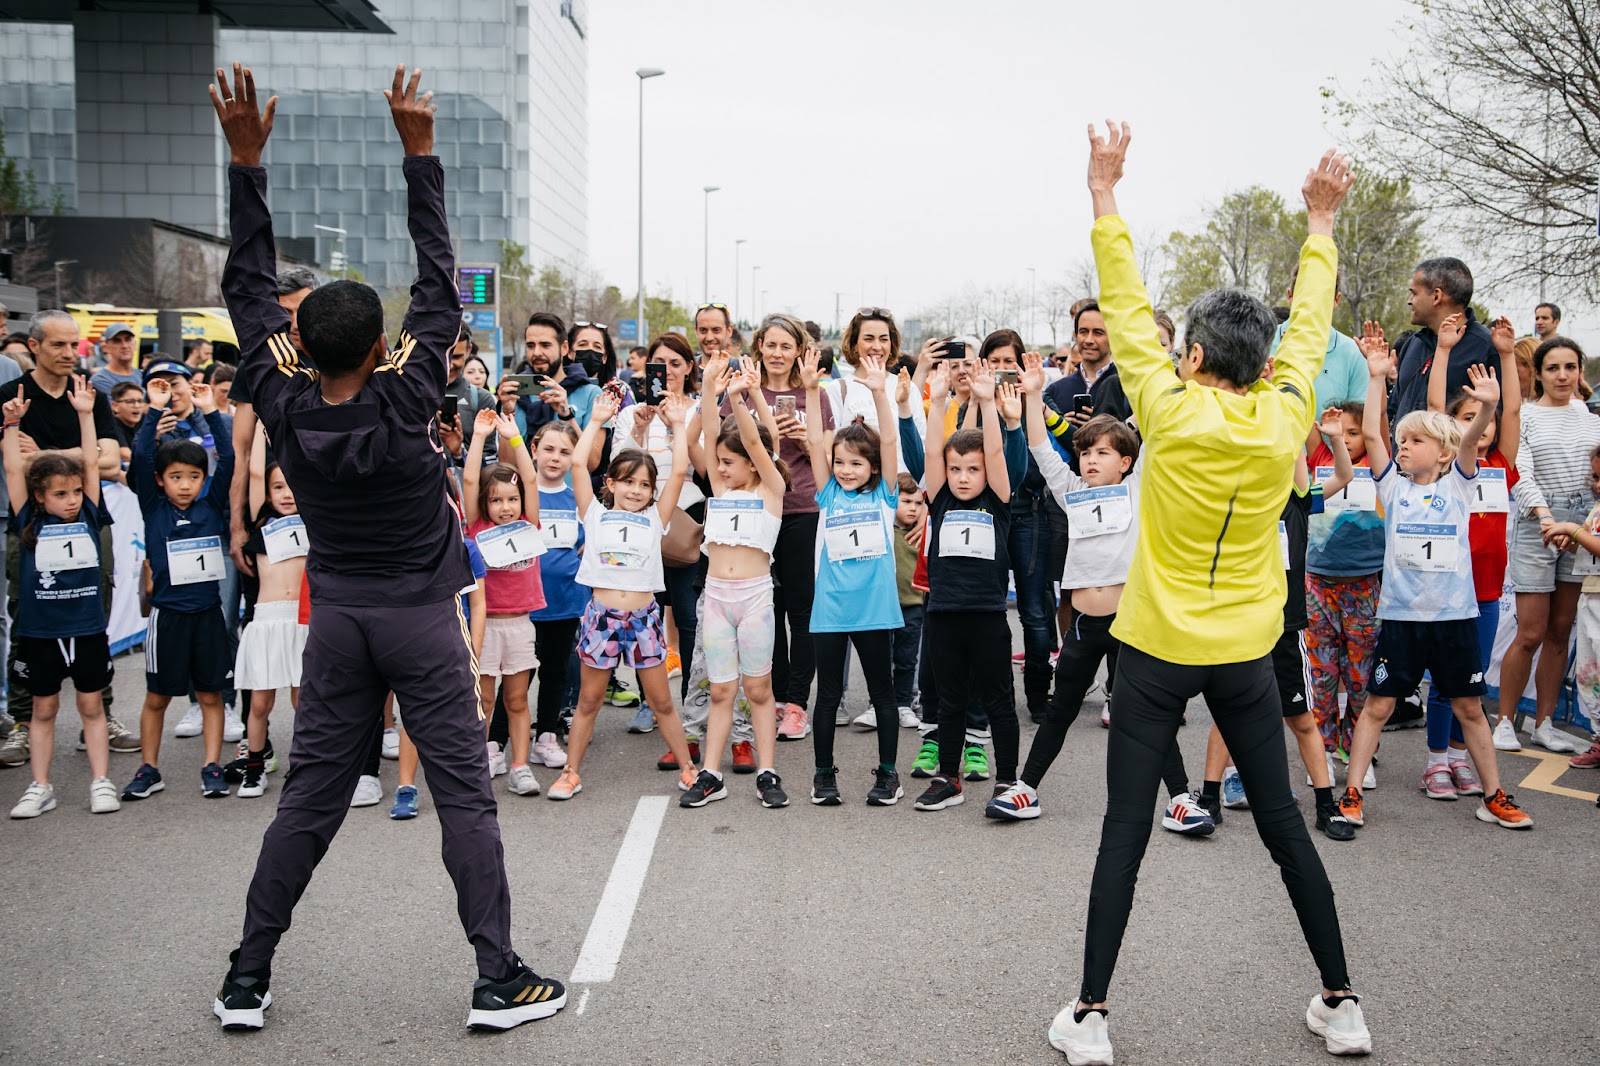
(553, 645)
(875, 651)
(1243, 697)
(971, 653)
(794, 568)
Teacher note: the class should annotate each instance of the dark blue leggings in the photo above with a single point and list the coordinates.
(1442, 724)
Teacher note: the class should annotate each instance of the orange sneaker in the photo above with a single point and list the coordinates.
(669, 761)
(566, 786)
(687, 778)
(674, 664)
(744, 757)
(1350, 806)
(1499, 808)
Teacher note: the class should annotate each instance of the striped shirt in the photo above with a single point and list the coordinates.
(1553, 457)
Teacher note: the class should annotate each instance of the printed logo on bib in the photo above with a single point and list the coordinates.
(558, 528)
(855, 535)
(1489, 492)
(1096, 512)
(733, 522)
(967, 533)
(1360, 495)
(67, 546)
(285, 538)
(624, 539)
(195, 560)
(512, 546)
(1430, 548)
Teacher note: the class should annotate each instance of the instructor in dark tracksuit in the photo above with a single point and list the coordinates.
(357, 441)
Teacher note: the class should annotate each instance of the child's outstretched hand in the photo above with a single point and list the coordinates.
(15, 408)
(1375, 348)
(810, 373)
(1504, 336)
(675, 409)
(1331, 426)
(81, 397)
(483, 424)
(1008, 401)
(1032, 377)
(871, 374)
(939, 381)
(506, 427)
(604, 410)
(1451, 330)
(982, 380)
(1482, 385)
(902, 386)
(731, 382)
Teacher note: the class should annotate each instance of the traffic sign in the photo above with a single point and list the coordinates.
(628, 330)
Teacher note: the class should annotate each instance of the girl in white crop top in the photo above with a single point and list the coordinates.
(622, 565)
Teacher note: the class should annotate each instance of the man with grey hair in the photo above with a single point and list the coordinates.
(1439, 288)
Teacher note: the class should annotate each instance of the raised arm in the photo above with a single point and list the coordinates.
(1451, 330)
(748, 380)
(1481, 386)
(513, 445)
(256, 478)
(1299, 358)
(16, 468)
(1376, 350)
(816, 443)
(1509, 436)
(220, 484)
(872, 374)
(1057, 474)
(675, 409)
(994, 451)
(933, 452)
(81, 395)
(913, 423)
(1343, 469)
(605, 409)
(472, 465)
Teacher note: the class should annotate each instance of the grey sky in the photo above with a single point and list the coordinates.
(898, 151)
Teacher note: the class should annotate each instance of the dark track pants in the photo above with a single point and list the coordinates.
(1243, 697)
(354, 657)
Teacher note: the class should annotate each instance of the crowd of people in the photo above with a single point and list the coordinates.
(702, 531)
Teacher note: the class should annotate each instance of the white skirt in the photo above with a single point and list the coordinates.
(270, 648)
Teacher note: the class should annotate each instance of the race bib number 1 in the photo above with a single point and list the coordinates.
(1489, 492)
(68, 546)
(285, 538)
(733, 522)
(193, 561)
(1096, 512)
(558, 528)
(854, 535)
(967, 533)
(623, 539)
(507, 546)
(1360, 495)
(1431, 548)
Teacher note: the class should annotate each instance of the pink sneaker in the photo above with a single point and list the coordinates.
(796, 724)
(1436, 782)
(1465, 778)
(1588, 760)
(1019, 658)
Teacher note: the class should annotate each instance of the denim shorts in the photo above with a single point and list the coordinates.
(1535, 567)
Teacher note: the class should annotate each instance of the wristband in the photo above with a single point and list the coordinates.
(516, 442)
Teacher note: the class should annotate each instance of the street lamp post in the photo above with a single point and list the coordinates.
(643, 73)
(344, 260)
(705, 276)
(736, 245)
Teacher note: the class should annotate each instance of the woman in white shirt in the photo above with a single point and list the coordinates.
(872, 333)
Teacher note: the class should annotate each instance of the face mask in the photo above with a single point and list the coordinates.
(592, 362)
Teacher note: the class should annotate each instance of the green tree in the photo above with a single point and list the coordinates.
(1248, 242)
(1379, 233)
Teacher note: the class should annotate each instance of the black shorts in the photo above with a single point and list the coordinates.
(1446, 650)
(1056, 560)
(1292, 667)
(183, 648)
(42, 663)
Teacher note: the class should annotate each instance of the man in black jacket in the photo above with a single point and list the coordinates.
(1439, 288)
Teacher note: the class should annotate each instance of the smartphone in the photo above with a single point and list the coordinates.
(1082, 404)
(1007, 377)
(527, 384)
(447, 409)
(655, 382)
(953, 349)
(784, 406)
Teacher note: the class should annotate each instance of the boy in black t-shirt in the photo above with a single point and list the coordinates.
(967, 633)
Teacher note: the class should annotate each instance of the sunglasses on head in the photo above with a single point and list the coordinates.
(711, 307)
(875, 312)
(601, 326)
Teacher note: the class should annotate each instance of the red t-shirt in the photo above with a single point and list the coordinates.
(305, 601)
(1487, 533)
(517, 590)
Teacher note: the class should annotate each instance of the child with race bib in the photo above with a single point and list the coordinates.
(272, 645)
(185, 509)
(622, 566)
(555, 625)
(737, 625)
(502, 514)
(61, 620)
(857, 598)
(1428, 609)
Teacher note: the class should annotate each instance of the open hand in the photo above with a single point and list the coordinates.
(1107, 154)
(810, 372)
(244, 124)
(1008, 402)
(1375, 348)
(1482, 385)
(675, 410)
(412, 114)
(1032, 377)
(82, 395)
(871, 374)
(605, 409)
(1324, 190)
(731, 382)
(506, 427)
(939, 381)
(1451, 330)
(483, 423)
(902, 386)
(1504, 336)
(982, 380)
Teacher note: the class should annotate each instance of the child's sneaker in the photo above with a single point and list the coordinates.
(909, 719)
(926, 763)
(975, 763)
(943, 792)
(1233, 796)
(886, 790)
(618, 694)
(707, 787)
(769, 786)
(825, 787)
(497, 760)
(744, 757)
(146, 781)
(212, 783)
(669, 761)
(795, 723)
(1465, 778)
(253, 782)
(191, 724)
(547, 749)
(1017, 803)
(1499, 808)
(1186, 816)
(1588, 760)
(368, 793)
(1350, 807)
(35, 801)
(643, 720)
(1342, 1027)
(1084, 1039)
(566, 786)
(1437, 782)
(103, 797)
(522, 782)
(674, 663)
(405, 803)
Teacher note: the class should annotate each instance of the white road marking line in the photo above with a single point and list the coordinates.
(602, 948)
(583, 1001)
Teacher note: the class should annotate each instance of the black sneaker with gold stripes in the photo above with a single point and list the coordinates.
(523, 997)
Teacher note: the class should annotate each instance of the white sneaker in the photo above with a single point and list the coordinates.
(1086, 1043)
(1505, 736)
(103, 796)
(497, 761)
(842, 717)
(1331, 779)
(547, 749)
(192, 722)
(1370, 781)
(909, 719)
(232, 726)
(369, 792)
(34, 802)
(522, 782)
(1342, 1027)
(1547, 736)
(866, 720)
(391, 743)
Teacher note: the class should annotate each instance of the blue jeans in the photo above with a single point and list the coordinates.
(1029, 545)
(907, 648)
(1442, 724)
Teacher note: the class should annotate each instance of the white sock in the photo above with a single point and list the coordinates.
(1458, 754)
(1436, 758)
(767, 770)
(715, 773)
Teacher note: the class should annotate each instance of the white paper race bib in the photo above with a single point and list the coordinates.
(1584, 564)
(854, 535)
(624, 539)
(558, 528)
(1096, 512)
(68, 546)
(733, 522)
(1283, 543)
(1489, 492)
(1360, 495)
(1432, 548)
(285, 538)
(505, 547)
(967, 533)
(193, 561)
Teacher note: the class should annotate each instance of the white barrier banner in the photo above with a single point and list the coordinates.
(126, 625)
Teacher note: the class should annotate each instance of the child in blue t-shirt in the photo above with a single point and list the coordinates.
(61, 619)
(555, 625)
(185, 506)
(857, 599)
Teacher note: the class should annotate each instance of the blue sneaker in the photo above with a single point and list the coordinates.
(212, 783)
(145, 782)
(405, 803)
(1233, 796)
(644, 721)
(1187, 816)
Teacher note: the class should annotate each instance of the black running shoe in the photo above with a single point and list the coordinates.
(233, 772)
(524, 997)
(707, 787)
(242, 1004)
(770, 788)
(254, 781)
(886, 790)
(825, 787)
(1333, 824)
(1213, 807)
(942, 792)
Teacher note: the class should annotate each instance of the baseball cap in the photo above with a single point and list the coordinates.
(166, 366)
(116, 328)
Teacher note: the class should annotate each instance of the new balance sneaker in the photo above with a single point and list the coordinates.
(706, 788)
(1499, 808)
(1465, 778)
(1588, 760)
(37, 799)
(618, 694)
(744, 757)
(14, 752)
(212, 784)
(1233, 796)
(867, 719)
(103, 797)
(795, 723)
(1186, 816)
(1081, 1036)
(146, 782)
(975, 763)
(825, 787)
(669, 761)
(547, 749)
(122, 738)
(243, 1000)
(942, 792)
(769, 786)
(1017, 803)
(1505, 736)
(368, 793)
(926, 763)
(1342, 1027)
(1437, 782)
(233, 726)
(908, 718)
(405, 803)
(1332, 824)
(886, 790)
(1548, 737)
(497, 760)
(521, 781)
(1350, 807)
(523, 997)
(566, 786)
(253, 782)
(643, 720)
(391, 743)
